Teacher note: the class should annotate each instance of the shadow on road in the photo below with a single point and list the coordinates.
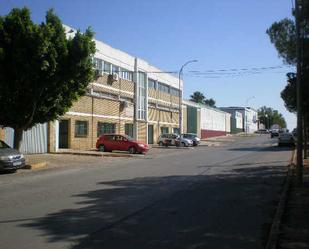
(264, 149)
(233, 210)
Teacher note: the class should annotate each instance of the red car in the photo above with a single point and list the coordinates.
(110, 142)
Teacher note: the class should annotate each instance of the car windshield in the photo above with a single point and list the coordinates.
(189, 135)
(3, 145)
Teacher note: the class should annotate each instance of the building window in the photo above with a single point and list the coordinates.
(163, 88)
(126, 74)
(104, 128)
(174, 91)
(115, 69)
(141, 103)
(97, 63)
(176, 130)
(107, 67)
(151, 84)
(81, 128)
(164, 130)
(128, 129)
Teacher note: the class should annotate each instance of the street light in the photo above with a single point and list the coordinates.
(247, 100)
(180, 93)
(266, 122)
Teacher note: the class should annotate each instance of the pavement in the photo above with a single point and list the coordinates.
(204, 197)
(294, 230)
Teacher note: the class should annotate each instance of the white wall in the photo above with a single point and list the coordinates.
(213, 119)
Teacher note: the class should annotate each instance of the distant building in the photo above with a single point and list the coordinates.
(204, 120)
(236, 120)
(250, 117)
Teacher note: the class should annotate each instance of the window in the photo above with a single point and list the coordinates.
(81, 128)
(128, 129)
(107, 67)
(174, 92)
(163, 88)
(126, 74)
(104, 128)
(151, 84)
(164, 130)
(115, 69)
(97, 63)
(141, 103)
(176, 130)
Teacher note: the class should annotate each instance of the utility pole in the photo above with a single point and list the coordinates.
(299, 97)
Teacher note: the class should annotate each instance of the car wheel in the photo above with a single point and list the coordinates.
(183, 144)
(102, 148)
(132, 150)
(160, 143)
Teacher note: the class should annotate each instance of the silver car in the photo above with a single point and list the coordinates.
(10, 159)
(174, 139)
(285, 138)
(195, 139)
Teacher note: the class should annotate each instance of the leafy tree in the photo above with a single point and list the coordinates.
(199, 97)
(288, 94)
(269, 117)
(41, 70)
(211, 102)
(283, 35)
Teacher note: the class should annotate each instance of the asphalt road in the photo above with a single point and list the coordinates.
(206, 197)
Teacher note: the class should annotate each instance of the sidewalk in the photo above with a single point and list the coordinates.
(294, 230)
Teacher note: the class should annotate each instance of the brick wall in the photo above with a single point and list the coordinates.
(211, 133)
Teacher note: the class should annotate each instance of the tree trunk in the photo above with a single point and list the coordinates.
(305, 136)
(18, 135)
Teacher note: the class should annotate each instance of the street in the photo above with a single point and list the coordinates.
(206, 197)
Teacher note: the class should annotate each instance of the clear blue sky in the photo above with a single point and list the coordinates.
(221, 34)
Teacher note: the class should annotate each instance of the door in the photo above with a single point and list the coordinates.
(63, 134)
(150, 134)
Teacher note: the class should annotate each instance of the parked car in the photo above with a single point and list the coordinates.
(110, 142)
(10, 159)
(174, 140)
(274, 133)
(286, 138)
(195, 139)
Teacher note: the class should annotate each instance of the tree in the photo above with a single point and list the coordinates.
(41, 70)
(283, 35)
(199, 97)
(269, 117)
(211, 102)
(288, 94)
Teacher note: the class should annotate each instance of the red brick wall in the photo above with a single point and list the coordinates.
(210, 133)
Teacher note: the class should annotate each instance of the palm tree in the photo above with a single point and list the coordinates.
(197, 97)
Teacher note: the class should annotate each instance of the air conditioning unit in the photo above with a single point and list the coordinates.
(124, 104)
(115, 76)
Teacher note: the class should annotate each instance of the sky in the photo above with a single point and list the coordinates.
(222, 35)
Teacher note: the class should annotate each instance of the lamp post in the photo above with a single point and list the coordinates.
(266, 122)
(180, 93)
(247, 100)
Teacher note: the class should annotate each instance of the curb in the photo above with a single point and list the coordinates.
(35, 165)
(273, 236)
(92, 154)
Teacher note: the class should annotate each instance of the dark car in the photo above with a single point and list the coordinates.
(10, 159)
(110, 142)
(274, 133)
